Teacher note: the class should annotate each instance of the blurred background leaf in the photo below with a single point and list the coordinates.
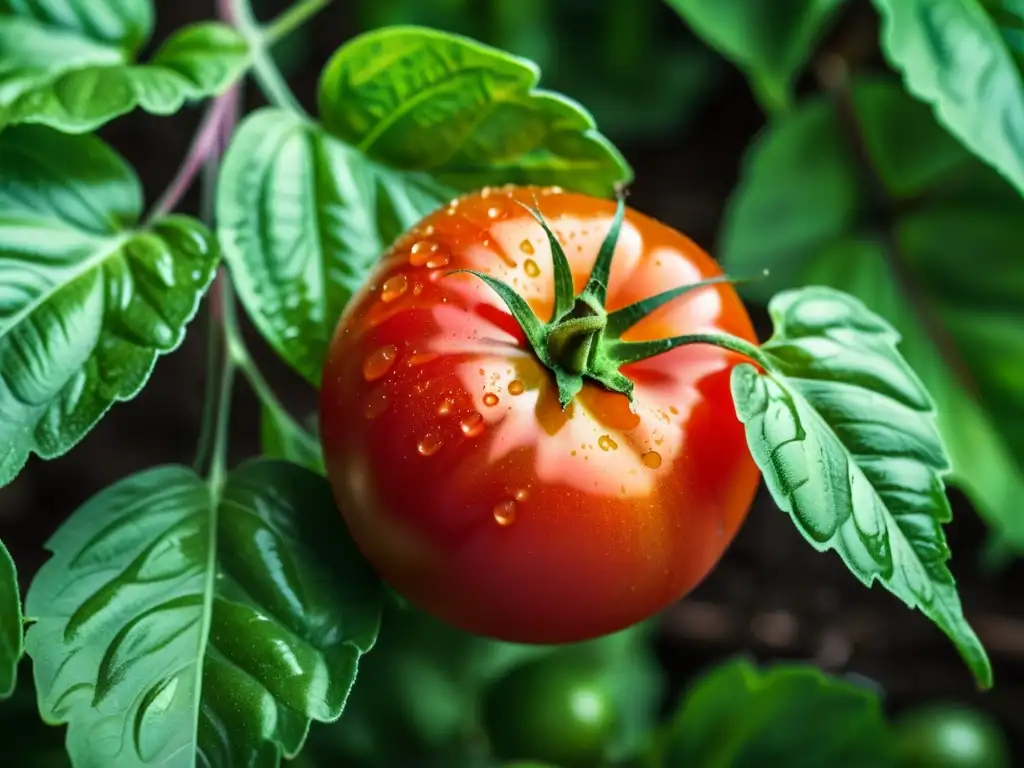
(770, 41)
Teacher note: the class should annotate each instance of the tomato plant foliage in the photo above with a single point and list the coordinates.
(72, 66)
(216, 621)
(208, 615)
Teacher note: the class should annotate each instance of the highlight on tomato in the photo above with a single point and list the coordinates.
(519, 437)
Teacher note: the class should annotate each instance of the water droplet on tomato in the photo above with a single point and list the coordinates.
(493, 213)
(486, 192)
(379, 362)
(394, 287)
(438, 260)
(527, 247)
(472, 425)
(421, 252)
(516, 387)
(651, 459)
(429, 444)
(490, 399)
(376, 404)
(673, 410)
(421, 358)
(605, 443)
(521, 494)
(505, 512)
(428, 230)
(445, 407)
(417, 289)
(531, 268)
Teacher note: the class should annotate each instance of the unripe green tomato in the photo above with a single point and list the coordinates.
(950, 736)
(553, 710)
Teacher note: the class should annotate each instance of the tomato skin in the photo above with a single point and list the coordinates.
(459, 476)
(550, 710)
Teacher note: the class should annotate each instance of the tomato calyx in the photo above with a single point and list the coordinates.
(582, 339)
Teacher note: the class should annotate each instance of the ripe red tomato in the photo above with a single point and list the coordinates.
(463, 480)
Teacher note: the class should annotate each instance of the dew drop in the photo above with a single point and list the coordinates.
(429, 230)
(651, 459)
(417, 289)
(531, 268)
(521, 494)
(472, 425)
(505, 512)
(438, 260)
(527, 247)
(421, 358)
(605, 443)
(421, 252)
(493, 213)
(379, 362)
(516, 387)
(429, 444)
(490, 399)
(572, 452)
(445, 407)
(376, 404)
(394, 287)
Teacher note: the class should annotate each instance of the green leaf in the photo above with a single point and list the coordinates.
(770, 41)
(982, 463)
(305, 213)
(303, 218)
(88, 303)
(954, 56)
(10, 624)
(910, 152)
(784, 218)
(74, 68)
(787, 714)
(846, 437)
(470, 114)
(179, 625)
(799, 189)
(281, 437)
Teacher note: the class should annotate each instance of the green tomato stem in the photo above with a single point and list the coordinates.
(267, 75)
(582, 340)
(291, 19)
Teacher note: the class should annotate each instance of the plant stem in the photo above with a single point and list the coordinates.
(269, 77)
(219, 451)
(205, 141)
(291, 19)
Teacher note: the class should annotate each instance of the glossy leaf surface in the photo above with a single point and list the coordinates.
(87, 303)
(847, 440)
(73, 66)
(177, 626)
(10, 624)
